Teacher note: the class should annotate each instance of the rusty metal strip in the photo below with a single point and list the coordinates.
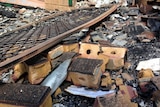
(51, 42)
(102, 16)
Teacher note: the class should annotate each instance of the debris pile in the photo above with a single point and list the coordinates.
(117, 63)
(12, 16)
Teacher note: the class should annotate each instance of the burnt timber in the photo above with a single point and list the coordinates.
(26, 42)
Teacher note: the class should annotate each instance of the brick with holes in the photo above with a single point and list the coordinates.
(92, 51)
(117, 57)
(89, 50)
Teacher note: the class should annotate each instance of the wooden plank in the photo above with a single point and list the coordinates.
(60, 2)
(50, 6)
(31, 3)
(45, 4)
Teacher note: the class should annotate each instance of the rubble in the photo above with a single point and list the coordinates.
(106, 80)
(146, 36)
(156, 98)
(7, 12)
(127, 77)
(7, 77)
(22, 10)
(111, 100)
(15, 16)
(155, 80)
(118, 64)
